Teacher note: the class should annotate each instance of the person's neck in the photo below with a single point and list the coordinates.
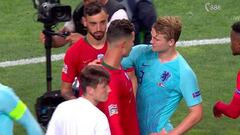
(113, 58)
(94, 102)
(97, 44)
(167, 56)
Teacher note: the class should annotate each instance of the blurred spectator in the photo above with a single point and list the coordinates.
(142, 14)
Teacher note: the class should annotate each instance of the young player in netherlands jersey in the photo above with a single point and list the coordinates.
(164, 78)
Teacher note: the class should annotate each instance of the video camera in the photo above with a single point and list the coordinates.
(51, 11)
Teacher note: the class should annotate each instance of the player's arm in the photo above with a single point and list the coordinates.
(66, 91)
(192, 96)
(30, 124)
(18, 111)
(133, 78)
(69, 72)
(232, 109)
(111, 109)
(194, 116)
(113, 119)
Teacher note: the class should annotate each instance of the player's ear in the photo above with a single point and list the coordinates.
(89, 90)
(171, 42)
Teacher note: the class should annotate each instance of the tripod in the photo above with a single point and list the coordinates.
(47, 103)
(48, 45)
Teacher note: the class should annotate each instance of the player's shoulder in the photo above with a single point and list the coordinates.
(66, 105)
(77, 46)
(7, 94)
(184, 66)
(5, 90)
(142, 48)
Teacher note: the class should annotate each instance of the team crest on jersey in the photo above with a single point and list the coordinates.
(112, 109)
(65, 69)
(164, 77)
(196, 94)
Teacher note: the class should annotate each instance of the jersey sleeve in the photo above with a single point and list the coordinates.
(129, 62)
(30, 124)
(111, 109)
(69, 71)
(189, 88)
(8, 97)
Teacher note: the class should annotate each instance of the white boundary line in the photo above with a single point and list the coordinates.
(215, 41)
(30, 61)
(57, 57)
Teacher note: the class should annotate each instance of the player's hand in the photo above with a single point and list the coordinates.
(216, 109)
(73, 37)
(96, 62)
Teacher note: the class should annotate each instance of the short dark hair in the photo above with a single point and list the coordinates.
(118, 29)
(236, 27)
(92, 75)
(93, 8)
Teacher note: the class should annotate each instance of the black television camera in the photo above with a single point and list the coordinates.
(51, 11)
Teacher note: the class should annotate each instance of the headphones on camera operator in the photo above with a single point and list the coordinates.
(50, 12)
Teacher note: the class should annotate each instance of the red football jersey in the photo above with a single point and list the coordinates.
(120, 108)
(77, 56)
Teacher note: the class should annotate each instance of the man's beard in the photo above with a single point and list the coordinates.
(98, 35)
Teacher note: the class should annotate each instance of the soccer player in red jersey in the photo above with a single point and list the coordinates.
(120, 108)
(232, 109)
(86, 49)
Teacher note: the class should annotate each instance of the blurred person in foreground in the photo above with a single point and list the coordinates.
(13, 109)
(232, 109)
(164, 79)
(120, 108)
(81, 116)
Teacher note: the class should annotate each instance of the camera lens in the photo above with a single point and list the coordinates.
(61, 13)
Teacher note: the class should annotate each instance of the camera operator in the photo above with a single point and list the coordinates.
(76, 28)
